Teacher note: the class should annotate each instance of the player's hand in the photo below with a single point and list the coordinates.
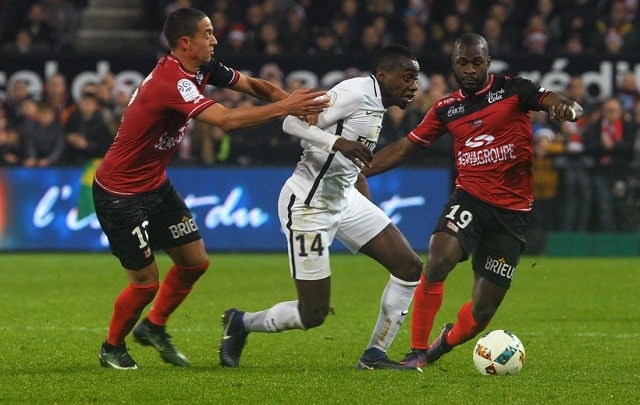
(359, 154)
(311, 119)
(305, 102)
(566, 112)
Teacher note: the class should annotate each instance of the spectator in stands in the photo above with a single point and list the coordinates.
(324, 44)
(269, 39)
(236, 41)
(56, 94)
(492, 31)
(254, 17)
(43, 135)
(86, 133)
(615, 33)
(446, 32)
(65, 19)
(577, 19)
(574, 165)
(417, 39)
(18, 92)
(11, 146)
(40, 29)
(121, 95)
(343, 32)
(536, 36)
(609, 141)
(370, 40)
(23, 45)
(628, 93)
(294, 33)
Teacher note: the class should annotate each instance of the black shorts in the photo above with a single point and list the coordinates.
(139, 224)
(494, 235)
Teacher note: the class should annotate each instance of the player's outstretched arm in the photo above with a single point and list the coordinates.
(300, 102)
(392, 155)
(561, 108)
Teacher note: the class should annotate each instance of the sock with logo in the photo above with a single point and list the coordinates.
(177, 284)
(466, 327)
(394, 307)
(426, 304)
(127, 309)
(282, 316)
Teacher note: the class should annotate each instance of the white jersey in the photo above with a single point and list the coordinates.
(323, 179)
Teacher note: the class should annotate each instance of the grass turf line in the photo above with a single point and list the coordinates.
(577, 317)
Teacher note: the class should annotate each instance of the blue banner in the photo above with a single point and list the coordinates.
(235, 208)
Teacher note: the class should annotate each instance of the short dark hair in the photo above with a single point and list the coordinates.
(182, 22)
(388, 57)
(471, 39)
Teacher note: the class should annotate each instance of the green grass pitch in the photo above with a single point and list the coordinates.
(579, 319)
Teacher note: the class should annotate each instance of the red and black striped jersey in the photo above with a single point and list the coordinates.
(154, 123)
(492, 138)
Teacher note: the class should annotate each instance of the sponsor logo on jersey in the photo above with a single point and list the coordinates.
(189, 91)
(370, 144)
(499, 267)
(493, 96)
(167, 141)
(487, 156)
(455, 110)
(478, 141)
(447, 100)
(476, 123)
(183, 228)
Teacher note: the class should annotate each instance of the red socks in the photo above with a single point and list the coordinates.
(174, 289)
(465, 328)
(426, 303)
(127, 309)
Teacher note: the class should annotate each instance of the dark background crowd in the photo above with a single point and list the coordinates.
(587, 173)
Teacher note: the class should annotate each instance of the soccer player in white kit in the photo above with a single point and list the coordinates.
(319, 202)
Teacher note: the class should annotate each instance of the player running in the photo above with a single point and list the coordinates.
(138, 207)
(319, 202)
(487, 213)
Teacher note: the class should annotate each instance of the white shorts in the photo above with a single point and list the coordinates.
(310, 231)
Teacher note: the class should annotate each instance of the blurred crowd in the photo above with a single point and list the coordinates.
(587, 174)
(346, 26)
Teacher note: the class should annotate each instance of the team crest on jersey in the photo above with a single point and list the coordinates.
(188, 90)
(330, 95)
(199, 77)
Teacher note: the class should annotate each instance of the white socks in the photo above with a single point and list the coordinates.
(282, 316)
(394, 307)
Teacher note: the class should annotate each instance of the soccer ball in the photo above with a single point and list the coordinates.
(498, 352)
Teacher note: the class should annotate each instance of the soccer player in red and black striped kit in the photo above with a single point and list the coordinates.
(488, 118)
(137, 206)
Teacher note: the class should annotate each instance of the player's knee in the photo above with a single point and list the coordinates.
(483, 314)
(192, 274)
(438, 267)
(313, 317)
(409, 269)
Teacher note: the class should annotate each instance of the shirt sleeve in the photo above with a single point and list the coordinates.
(428, 130)
(221, 75)
(344, 102)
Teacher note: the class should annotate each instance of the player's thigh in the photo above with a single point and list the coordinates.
(172, 226)
(391, 249)
(309, 233)
(361, 221)
(497, 257)
(125, 222)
